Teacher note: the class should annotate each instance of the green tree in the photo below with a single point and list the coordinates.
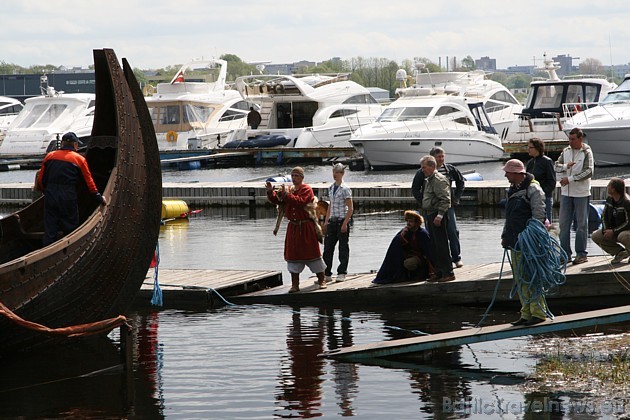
(237, 67)
(468, 63)
(518, 81)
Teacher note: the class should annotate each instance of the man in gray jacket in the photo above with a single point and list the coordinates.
(436, 200)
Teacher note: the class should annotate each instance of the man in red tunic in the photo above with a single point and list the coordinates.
(301, 246)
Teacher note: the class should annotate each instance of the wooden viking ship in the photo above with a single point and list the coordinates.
(94, 272)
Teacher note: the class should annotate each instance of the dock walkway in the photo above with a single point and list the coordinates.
(253, 194)
(426, 344)
(195, 288)
(596, 281)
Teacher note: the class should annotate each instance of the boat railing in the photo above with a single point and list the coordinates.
(423, 124)
(570, 110)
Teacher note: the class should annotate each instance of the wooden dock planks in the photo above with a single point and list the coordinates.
(194, 288)
(476, 335)
(475, 285)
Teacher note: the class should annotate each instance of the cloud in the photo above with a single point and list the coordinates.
(153, 34)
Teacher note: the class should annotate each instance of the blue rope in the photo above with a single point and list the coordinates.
(496, 289)
(156, 299)
(543, 263)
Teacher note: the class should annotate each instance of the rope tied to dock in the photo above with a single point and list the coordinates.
(156, 299)
(542, 263)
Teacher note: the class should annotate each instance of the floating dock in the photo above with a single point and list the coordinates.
(196, 288)
(253, 194)
(595, 282)
(428, 343)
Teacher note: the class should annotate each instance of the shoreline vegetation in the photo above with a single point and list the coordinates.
(593, 366)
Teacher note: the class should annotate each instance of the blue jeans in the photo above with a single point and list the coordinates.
(453, 236)
(549, 207)
(571, 207)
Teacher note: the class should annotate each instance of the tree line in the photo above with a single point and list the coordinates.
(367, 71)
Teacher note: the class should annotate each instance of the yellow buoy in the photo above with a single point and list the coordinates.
(174, 209)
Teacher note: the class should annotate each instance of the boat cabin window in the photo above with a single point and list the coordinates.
(169, 115)
(196, 113)
(231, 115)
(343, 113)
(241, 105)
(503, 96)
(361, 99)
(11, 110)
(616, 97)
(548, 96)
(42, 115)
(456, 114)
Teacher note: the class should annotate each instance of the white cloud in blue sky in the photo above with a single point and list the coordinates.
(153, 33)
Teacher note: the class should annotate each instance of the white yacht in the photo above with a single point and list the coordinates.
(607, 126)
(550, 103)
(195, 111)
(44, 119)
(406, 130)
(305, 111)
(440, 109)
(9, 109)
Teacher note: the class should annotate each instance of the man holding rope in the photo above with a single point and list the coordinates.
(526, 200)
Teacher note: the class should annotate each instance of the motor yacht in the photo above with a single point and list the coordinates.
(459, 111)
(44, 119)
(195, 110)
(305, 111)
(607, 126)
(550, 104)
(406, 131)
(9, 109)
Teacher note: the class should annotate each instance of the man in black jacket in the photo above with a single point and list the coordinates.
(453, 175)
(614, 236)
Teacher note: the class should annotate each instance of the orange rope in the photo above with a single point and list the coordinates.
(81, 330)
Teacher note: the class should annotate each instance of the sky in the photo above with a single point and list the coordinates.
(155, 34)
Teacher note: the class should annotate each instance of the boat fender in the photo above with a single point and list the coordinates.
(171, 136)
(174, 209)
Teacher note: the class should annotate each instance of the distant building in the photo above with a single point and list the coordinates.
(518, 70)
(22, 86)
(618, 70)
(288, 69)
(566, 64)
(486, 64)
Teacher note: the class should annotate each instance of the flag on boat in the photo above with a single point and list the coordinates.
(179, 78)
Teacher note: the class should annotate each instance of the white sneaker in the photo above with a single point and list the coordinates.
(341, 277)
(459, 264)
(327, 279)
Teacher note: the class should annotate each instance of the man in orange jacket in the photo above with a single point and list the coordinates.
(58, 178)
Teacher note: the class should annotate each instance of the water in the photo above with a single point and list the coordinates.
(260, 361)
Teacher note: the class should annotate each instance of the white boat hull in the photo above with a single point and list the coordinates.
(610, 143)
(461, 147)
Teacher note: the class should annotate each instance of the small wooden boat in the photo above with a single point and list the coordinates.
(94, 272)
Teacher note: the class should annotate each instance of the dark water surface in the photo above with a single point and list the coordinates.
(260, 361)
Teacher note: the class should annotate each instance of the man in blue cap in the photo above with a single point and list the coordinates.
(58, 178)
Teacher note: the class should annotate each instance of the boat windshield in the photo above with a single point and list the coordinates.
(613, 97)
(197, 113)
(404, 114)
(42, 115)
(178, 117)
